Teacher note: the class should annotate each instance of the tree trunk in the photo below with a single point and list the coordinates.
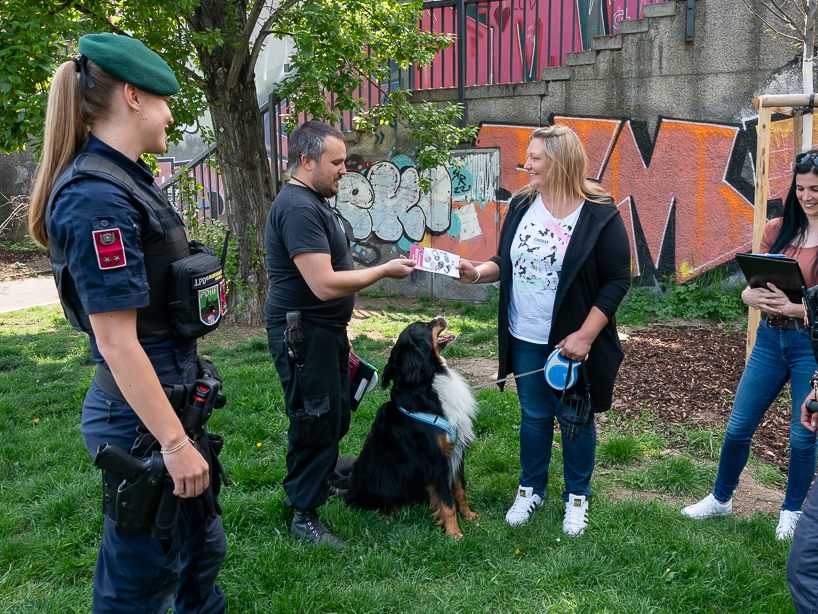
(242, 157)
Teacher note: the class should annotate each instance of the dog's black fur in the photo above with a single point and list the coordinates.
(403, 460)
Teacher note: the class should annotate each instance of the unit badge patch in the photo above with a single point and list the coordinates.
(109, 248)
(210, 305)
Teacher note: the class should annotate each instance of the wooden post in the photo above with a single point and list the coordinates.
(797, 134)
(760, 206)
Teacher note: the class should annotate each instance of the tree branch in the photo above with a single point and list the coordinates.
(777, 28)
(244, 43)
(265, 31)
(196, 79)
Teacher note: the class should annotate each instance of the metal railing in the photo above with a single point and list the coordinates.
(195, 185)
(497, 42)
(511, 41)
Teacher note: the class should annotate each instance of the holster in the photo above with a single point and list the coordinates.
(294, 338)
(138, 494)
(132, 503)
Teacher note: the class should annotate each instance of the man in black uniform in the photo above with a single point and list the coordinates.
(313, 279)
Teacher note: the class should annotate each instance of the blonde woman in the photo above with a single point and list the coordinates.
(564, 265)
(112, 237)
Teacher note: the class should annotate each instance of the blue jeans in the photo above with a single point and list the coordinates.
(137, 573)
(778, 356)
(540, 405)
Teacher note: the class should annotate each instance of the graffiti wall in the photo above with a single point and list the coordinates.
(386, 211)
(685, 192)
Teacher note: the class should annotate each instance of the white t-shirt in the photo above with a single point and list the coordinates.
(537, 253)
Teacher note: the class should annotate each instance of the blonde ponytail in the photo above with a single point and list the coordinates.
(74, 104)
(65, 134)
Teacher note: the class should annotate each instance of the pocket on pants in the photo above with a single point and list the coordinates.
(311, 426)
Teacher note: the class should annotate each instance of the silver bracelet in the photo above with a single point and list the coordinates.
(476, 279)
(177, 447)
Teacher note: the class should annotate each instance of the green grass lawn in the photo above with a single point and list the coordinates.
(634, 557)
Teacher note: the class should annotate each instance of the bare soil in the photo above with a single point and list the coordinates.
(678, 375)
(15, 264)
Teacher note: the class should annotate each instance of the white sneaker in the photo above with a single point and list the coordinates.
(524, 505)
(708, 507)
(786, 524)
(576, 515)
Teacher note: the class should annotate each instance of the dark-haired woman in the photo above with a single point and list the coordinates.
(111, 236)
(782, 353)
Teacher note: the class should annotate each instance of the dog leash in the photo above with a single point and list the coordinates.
(508, 377)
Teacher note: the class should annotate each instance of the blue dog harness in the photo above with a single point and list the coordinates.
(433, 420)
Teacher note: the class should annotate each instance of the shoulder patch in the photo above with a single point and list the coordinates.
(109, 248)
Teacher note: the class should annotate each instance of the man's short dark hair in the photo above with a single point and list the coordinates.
(309, 139)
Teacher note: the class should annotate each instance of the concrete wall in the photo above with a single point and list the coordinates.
(669, 128)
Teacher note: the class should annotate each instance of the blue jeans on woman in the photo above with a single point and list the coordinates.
(540, 404)
(778, 356)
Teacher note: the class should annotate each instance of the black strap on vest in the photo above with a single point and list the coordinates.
(163, 242)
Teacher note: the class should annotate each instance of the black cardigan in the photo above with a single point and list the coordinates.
(595, 272)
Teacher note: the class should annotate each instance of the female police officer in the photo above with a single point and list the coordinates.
(111, 236)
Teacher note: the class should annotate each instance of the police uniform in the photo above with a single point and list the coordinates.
(108, 238)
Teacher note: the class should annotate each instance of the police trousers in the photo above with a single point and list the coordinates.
(137, 573)
(802, 565)
(316, 398)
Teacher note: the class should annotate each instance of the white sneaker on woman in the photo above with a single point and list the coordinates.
(786, 524)
(576, 515)
(524, 505)
(708, 508)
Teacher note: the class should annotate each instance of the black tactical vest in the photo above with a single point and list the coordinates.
(163, 242)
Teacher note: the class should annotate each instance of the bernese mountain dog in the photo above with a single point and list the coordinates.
(415, 449)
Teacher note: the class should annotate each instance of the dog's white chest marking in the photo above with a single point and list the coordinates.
(459, 408)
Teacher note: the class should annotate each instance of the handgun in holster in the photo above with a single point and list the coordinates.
(294, 338)
(134, 493)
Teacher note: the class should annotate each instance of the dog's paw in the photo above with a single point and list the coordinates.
(468, 515)
(455, 534)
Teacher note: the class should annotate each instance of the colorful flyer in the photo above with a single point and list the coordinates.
(435, 260)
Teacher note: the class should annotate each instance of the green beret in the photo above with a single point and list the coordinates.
(129, 60)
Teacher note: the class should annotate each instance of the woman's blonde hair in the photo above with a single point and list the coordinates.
(567, 178)
(74, 103)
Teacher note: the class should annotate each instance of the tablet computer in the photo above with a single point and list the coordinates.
(760, 269)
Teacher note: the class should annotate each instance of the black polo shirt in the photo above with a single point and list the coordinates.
(301, 221)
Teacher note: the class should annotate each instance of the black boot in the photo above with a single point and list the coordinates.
(306, 526)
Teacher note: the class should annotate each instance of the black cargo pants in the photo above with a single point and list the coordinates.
(316, 398)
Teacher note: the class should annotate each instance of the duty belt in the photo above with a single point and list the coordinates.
(178, 394)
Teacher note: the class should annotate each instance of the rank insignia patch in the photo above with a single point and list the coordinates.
(109, 248)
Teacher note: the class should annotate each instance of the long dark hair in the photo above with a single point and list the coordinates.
(794, 223)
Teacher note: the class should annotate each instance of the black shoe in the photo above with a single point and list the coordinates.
(306, 526)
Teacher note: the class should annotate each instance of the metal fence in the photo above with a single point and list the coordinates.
(511, 41)
(496, 42)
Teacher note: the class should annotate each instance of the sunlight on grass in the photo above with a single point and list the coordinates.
(619, 451)
(634, 557)
(678, 475)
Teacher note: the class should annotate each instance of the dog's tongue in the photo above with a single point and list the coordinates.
(445, 339)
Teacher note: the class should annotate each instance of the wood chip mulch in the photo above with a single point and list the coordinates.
(687, 376)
